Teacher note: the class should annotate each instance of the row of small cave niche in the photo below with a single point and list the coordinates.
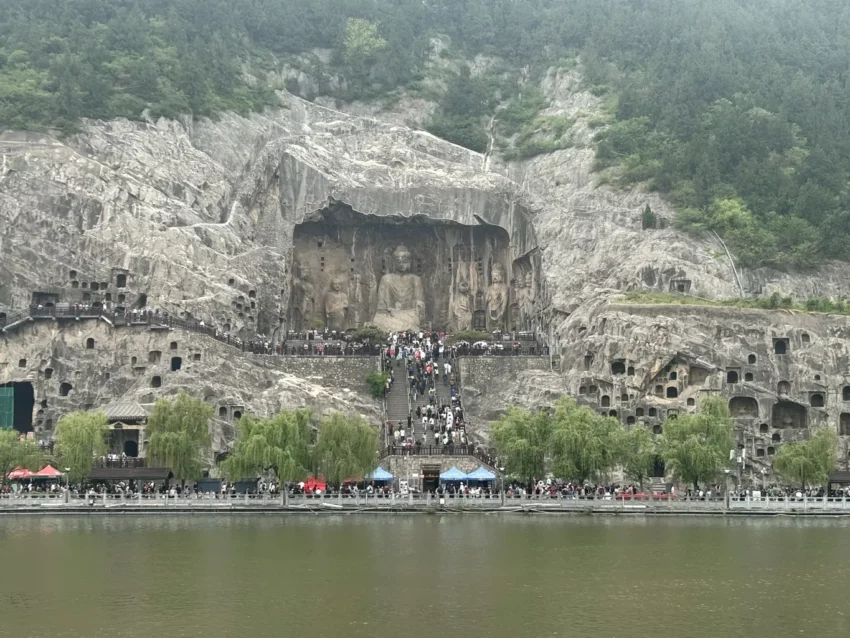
(94, 286)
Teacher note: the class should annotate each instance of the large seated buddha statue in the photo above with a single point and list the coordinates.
(401, 298)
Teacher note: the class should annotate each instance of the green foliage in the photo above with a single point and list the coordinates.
(584, 443)
(16, 451)
(80, 437)
(471, 336)
(569, 441)
(361, 41)
(648, 218)
(369, 333)
(463, 109)
(535, 134)
(105, 60)
(178, 435)
(281, 445)
(463, 131)
(639, 453)
(522, 440)
(696, 446)
(773, 302)
(520, 112)
(377, 382)
(347, 447)
(808, 462)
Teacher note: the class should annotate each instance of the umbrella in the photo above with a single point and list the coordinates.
(380, 474)
(19, 473)
(48, 471)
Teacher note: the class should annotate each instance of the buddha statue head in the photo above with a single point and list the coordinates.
(401, 259)
(497, 274)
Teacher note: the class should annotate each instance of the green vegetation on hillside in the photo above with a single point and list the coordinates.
(736, 110)
(774, 302)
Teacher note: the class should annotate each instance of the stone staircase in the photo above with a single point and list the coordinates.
(397, 399)
(397, 402)
(657, 485)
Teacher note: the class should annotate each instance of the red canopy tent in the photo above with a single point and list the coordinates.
(312, 484)
(19, 473)
(48, 471)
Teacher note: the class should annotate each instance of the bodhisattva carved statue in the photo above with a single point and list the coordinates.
(401, 298)
(517, 301)
(497, 297)
(529, 288)
(462, 307)
(336, 305)
(304, 292)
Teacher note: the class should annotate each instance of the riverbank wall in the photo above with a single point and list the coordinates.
(407, 505)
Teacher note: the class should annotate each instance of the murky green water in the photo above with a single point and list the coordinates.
(422, 577)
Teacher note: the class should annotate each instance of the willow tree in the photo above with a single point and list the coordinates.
(347, 447)
(696, 446)
(522, 441)
(808, 462)
(281, 445)
(80, 437)
(16, 451)
(639, 454)
(584, 444)
(179, 436)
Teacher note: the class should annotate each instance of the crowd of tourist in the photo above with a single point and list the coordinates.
(325, 342)
(427, 362)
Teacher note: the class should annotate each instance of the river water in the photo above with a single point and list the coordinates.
(422, 577)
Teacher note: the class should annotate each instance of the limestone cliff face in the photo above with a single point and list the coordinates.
(198, 219)
(782, 373)
(591, 233)
(69, 372)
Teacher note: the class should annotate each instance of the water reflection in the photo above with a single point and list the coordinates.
(422, 576)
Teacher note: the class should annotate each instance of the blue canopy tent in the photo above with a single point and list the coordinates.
(453, 474)
(380, 474)
(481, 475)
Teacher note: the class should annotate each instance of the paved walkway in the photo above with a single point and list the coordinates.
(156, 322)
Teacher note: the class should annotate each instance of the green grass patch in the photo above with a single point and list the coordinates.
(774, 302)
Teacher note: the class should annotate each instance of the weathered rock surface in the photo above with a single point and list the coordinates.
(783, 373)
(200, 217)
(136, 364)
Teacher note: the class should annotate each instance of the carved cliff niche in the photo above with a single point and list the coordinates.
(743, 407)
(844, 424)
(789, 415)
(404, 273)
(698, 375)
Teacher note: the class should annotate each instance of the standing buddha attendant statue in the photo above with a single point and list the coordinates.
(336, 305)
(497, 297)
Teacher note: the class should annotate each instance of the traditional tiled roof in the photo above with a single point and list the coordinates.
(839, 477)
(124, 411)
